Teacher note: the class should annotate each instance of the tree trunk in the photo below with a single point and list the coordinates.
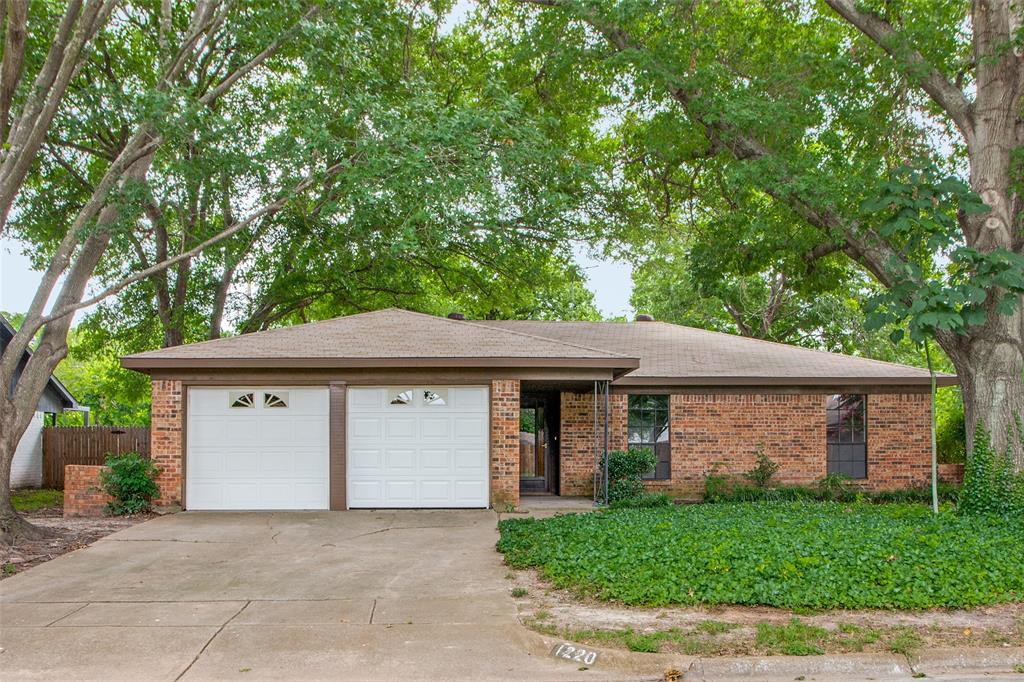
(991, 371)
(12, 526)
(19, 397)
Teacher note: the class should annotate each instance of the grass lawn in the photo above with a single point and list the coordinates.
(713, 638)
(33, 499)
(789, 555)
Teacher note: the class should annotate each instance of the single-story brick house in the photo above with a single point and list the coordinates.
(402, 409)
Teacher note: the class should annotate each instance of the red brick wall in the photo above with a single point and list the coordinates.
(504, 442)
(578, 448)
(82, 493)
(899, 440)
(165, 439)
(727, 429)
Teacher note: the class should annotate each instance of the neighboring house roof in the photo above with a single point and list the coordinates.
(643, 353)
(389, 337)
(55, 394)
(677, 355)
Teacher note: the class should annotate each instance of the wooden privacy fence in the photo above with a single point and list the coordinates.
(87, 445)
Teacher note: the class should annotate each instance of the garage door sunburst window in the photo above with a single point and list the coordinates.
(241, 399)
(275, 399)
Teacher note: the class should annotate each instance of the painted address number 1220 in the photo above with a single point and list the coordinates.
(574, 653)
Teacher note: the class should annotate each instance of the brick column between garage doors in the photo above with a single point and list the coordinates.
(504, 443)
(166, 432)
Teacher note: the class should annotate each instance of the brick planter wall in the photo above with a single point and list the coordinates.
(724, 432)
(83, 496)
(504, 443)
(166, 430)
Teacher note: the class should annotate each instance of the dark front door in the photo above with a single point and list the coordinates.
(539, 421)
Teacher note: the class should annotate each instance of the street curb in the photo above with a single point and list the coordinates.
(946, 661)
(867, 665)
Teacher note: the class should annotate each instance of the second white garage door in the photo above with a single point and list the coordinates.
(417, 446)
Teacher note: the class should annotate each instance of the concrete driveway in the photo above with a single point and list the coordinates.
(322, 595)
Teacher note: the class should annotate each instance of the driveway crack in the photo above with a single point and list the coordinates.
(191, 542)
(71, 613)
(212, 637)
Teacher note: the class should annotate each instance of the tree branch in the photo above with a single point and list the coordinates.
(912, 63)
(268, 209)
(14, 57)
(270, 50)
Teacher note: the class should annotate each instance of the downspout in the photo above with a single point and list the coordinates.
(606, 408)
(596, 466)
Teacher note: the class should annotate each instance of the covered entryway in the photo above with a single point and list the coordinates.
(539, 429)
(257, 448)
(417, 446)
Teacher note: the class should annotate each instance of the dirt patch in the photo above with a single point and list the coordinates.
(742, 630)
(73, 534)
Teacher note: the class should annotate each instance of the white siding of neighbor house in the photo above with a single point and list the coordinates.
(27, 467)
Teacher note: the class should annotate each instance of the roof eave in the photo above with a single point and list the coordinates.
(633, 380)
(142, 363)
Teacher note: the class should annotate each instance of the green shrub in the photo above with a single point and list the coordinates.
(785, 554)
(625, 471)
(990, 484)
(951, 429)
(763, 470)
(920, 494)
(644, 501)
(130, 480)
(717, 487)
(836, 488)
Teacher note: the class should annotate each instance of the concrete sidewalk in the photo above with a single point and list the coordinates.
(284, 596)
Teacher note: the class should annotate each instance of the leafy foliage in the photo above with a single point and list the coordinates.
(718, 488)
(763, 470)
(643, 501)
(625, 469)
(917, 211)
(725, 488)
(94, 375)
(130, 479)
(990, 484)
(790, 555)
(951, 429)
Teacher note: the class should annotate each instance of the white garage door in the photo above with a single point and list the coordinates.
(257, 448)
(417, 446)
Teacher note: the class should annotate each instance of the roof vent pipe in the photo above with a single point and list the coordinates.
(456, 316)
(645, 318)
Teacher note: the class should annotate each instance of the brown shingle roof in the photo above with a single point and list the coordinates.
(385, 337)
(673, 354)
(655, 352)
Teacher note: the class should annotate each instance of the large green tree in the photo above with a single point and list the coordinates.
(814, 107)
(450, 194)
(183, 58)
